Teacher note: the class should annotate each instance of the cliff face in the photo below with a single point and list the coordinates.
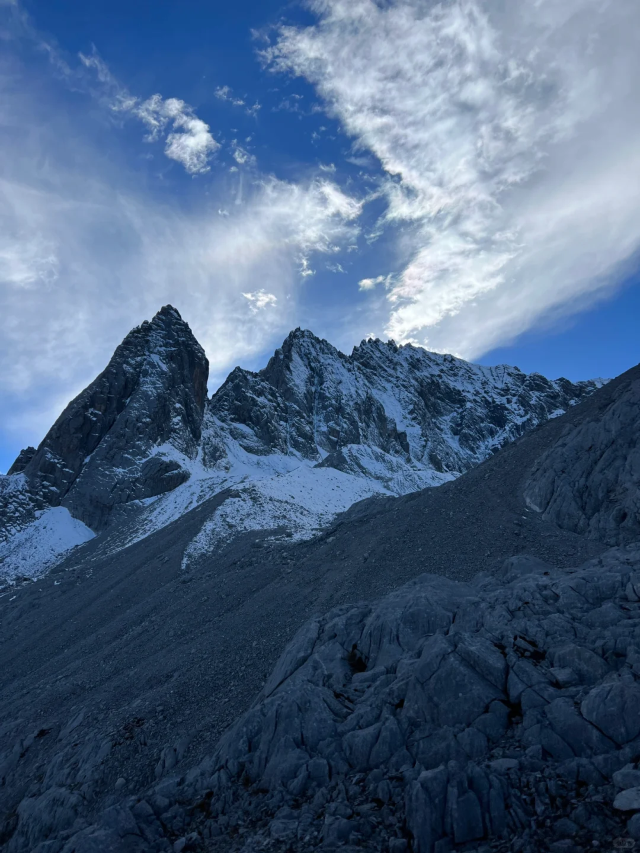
(303, 439)
(435, 413)
(122, 437)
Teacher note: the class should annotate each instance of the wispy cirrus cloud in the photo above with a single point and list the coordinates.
(188, 139)
(107, 259)
(88, 248)
(509, 137)
(225, 93)
(372, 283)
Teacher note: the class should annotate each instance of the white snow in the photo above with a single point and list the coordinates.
(236, 468)
(38, 547)
(300, 503)
(282, 491)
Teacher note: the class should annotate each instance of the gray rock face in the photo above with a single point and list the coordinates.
(434, 411)
(589, 482)
(401, 417)
(442, 701)
(495, 712)
(125, 437)
(24, 457)
(430, 720)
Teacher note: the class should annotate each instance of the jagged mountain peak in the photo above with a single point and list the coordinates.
(386, 419)
(168, 310)
(300, 353)
(300, 334)
(113, 443)
(166, 334)
(426, 410)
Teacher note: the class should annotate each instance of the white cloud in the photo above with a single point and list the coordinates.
(119, 257)
(509, 134)
(189, 140)
(87, 250)
(27, 260)
(260, 300)
(304, 269)
(241, 155)
(371, 283)
(225, 93)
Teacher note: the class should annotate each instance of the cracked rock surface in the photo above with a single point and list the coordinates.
(589, 481)
(491, 704)
(500, 714)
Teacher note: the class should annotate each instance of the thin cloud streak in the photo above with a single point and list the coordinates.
(57, 336)
(260, 299)
(85, 253)
(189, 140)
(508, 134)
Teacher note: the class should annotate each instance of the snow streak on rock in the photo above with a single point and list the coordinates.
(299, 441)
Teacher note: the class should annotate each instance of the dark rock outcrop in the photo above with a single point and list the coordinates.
(443, 715)
(496, 715)
(24, 457)
(126, 436)
(589, 481)
(400, 417)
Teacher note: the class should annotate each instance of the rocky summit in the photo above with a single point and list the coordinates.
(221, 664)
(299, 441)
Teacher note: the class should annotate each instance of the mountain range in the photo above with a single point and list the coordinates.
(437, 669)
(303, 439)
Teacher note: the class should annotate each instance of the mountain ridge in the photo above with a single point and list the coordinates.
(305, 437)
(130, 666)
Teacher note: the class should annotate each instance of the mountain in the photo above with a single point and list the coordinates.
(306, 437)
(109, 446)
(588, 481)
(432, 414)
(362, 704)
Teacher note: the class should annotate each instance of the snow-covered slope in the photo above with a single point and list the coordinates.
(40, 545)
(293, 444)
(105, 449)
(417, 411)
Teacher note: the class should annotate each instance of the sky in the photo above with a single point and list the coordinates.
(462, 175)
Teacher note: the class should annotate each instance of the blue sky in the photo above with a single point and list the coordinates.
(463, 175)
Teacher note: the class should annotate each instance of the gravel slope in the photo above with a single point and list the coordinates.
(117, 669)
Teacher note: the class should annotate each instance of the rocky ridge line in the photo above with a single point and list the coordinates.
(144, 442)
(115, 443)
(499, 713)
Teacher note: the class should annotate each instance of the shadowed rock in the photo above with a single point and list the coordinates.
(589, 481)
(124, 438)
(428, 720)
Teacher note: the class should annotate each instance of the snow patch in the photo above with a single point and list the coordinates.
(299, 504)
(38, 547)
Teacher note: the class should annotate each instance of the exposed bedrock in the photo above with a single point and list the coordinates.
(122, 438)
(589, 481)
(450, 713)
(502, 714)
(396, 418)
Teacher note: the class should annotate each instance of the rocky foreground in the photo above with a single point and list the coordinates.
(501, 714)
(492, 703)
